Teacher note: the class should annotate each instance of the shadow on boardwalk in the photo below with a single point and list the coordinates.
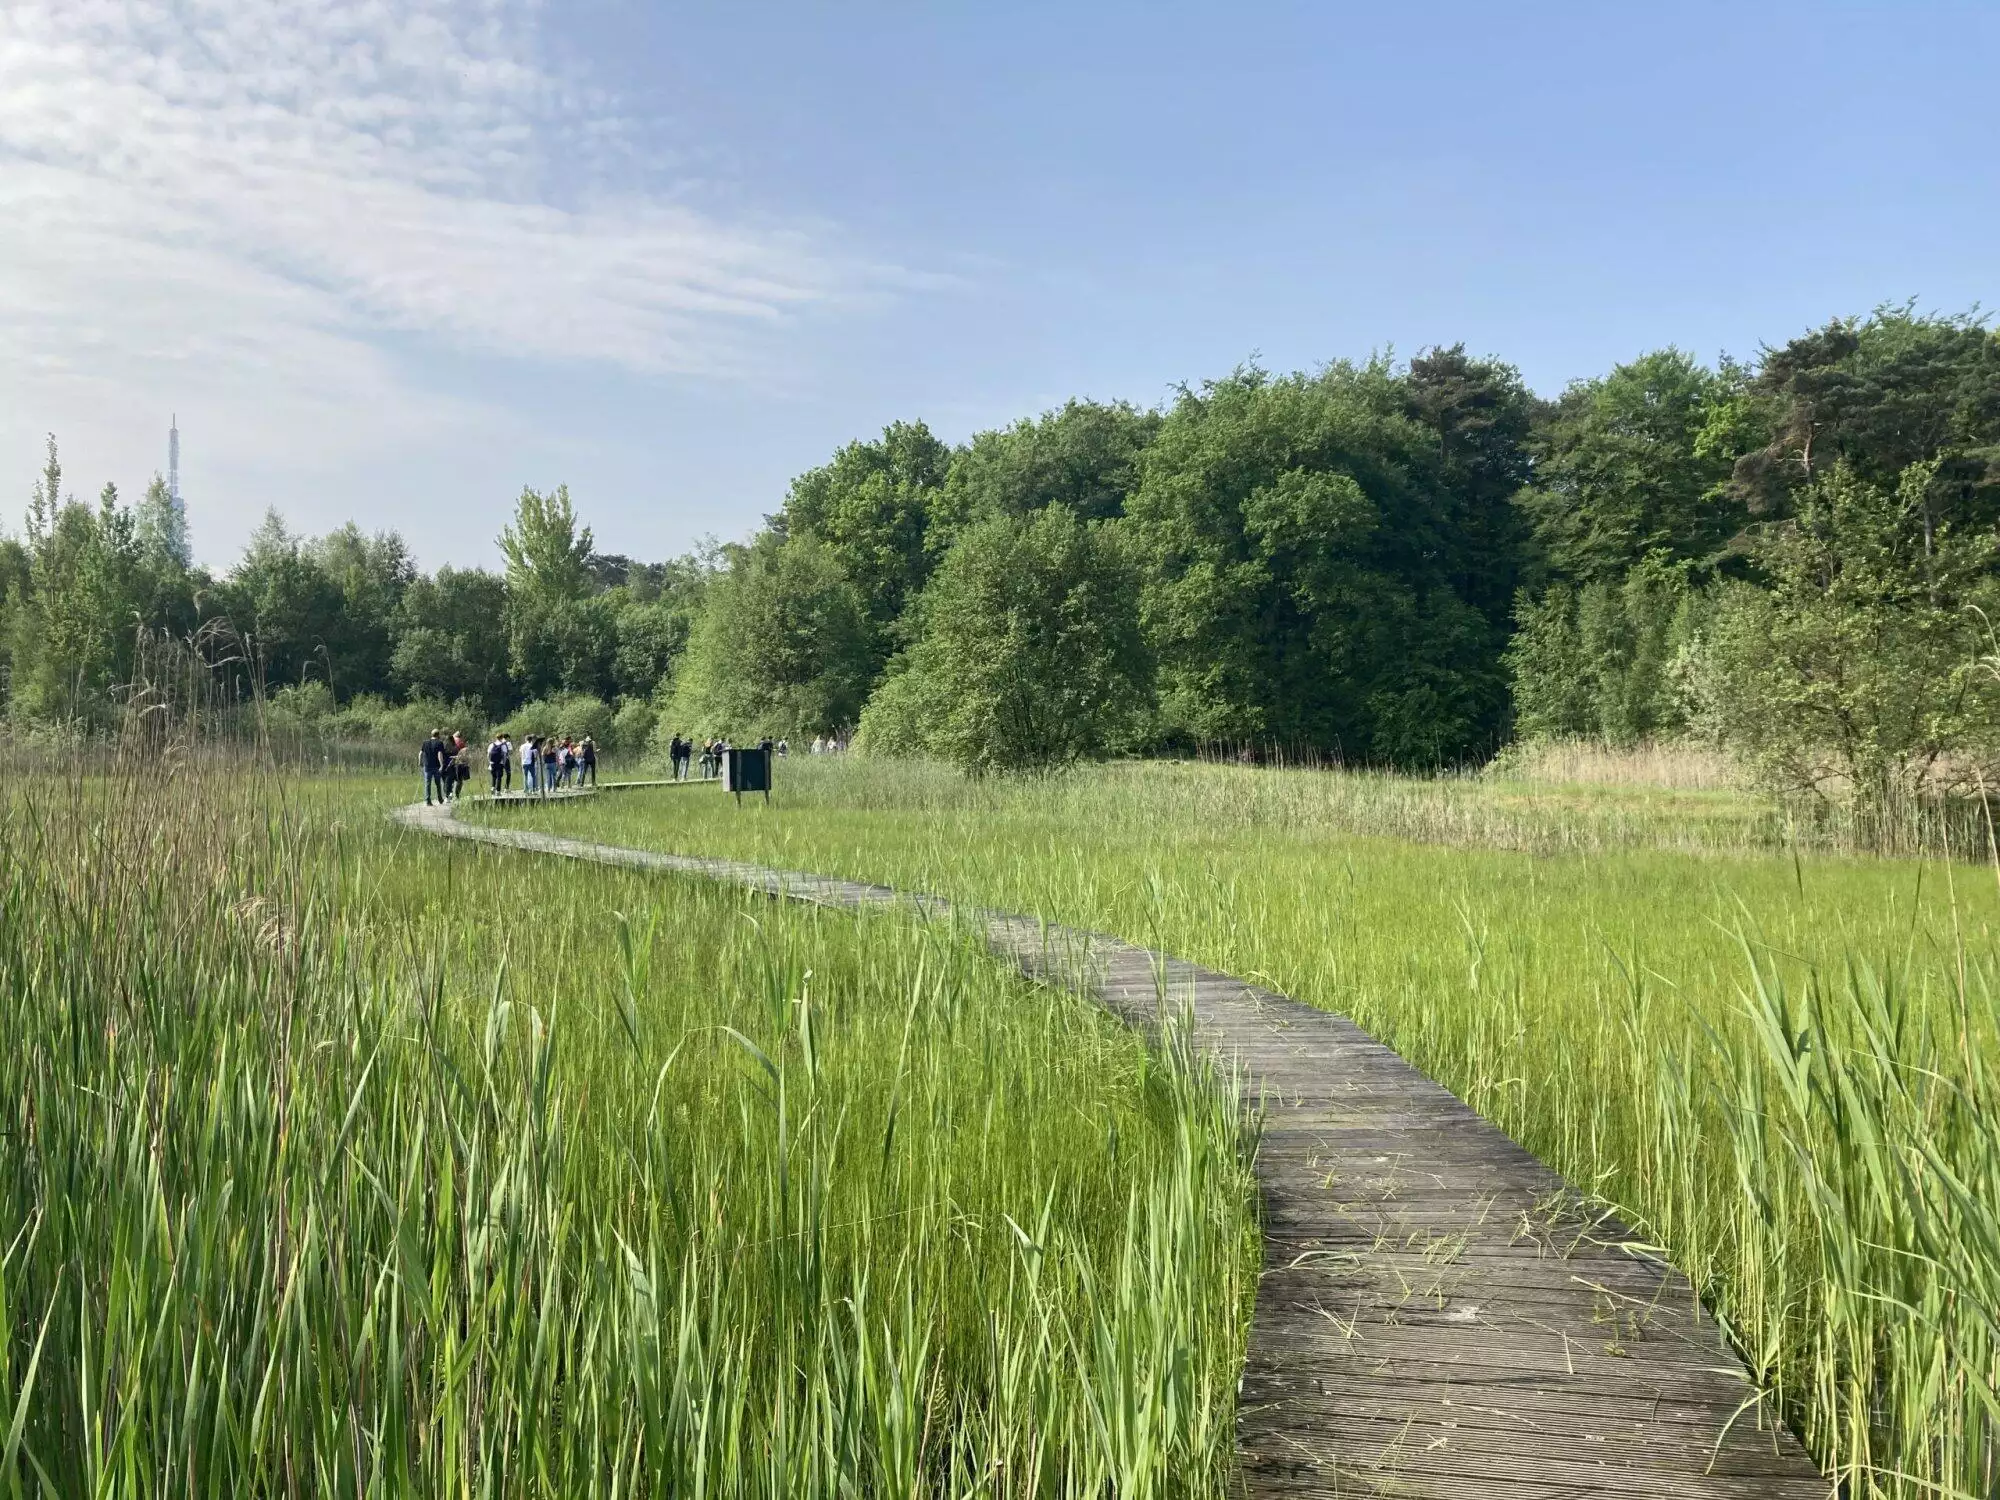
(1439, 1314)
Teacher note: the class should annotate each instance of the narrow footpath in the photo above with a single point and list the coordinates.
(1439, 1314)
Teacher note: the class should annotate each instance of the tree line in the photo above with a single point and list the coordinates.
(1392, 563)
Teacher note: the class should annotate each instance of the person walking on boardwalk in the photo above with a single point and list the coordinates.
(506, 761)
(586, 756)
(431, 758)
(529, 755)
(496, 762)
(447, 769)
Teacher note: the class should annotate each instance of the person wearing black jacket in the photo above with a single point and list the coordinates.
(431, 757)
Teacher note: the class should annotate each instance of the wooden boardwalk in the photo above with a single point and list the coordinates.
(1439, 1313)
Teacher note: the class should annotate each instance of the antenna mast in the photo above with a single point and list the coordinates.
(174, 459)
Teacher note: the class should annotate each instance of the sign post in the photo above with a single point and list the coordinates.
(747, 769)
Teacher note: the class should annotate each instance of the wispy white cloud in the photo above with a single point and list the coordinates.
(252, 203)
(405, 165)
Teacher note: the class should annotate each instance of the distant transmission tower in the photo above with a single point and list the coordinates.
(174, 460)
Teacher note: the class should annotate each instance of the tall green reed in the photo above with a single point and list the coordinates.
(1781, 1069)
(339, 1162)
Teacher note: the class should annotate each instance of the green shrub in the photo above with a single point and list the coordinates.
(369, 719)
(632, 727)
(573, 715)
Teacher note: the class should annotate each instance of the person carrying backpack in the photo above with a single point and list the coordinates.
(586, 755)
(496, 762)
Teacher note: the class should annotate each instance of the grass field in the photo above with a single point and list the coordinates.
(1781, 1066)
(342, 1161)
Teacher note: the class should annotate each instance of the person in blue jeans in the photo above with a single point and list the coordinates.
(431, 758)
(531, 754)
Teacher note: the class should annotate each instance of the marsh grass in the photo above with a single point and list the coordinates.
(1653, 765)
(1781, 1067)
(339, 1161)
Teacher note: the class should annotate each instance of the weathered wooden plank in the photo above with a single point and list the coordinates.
(1584, 1408)
(1440, 1314)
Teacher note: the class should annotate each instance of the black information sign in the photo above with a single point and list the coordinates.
(747, 770)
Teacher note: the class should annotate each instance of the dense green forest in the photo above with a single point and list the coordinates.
(1405, 564)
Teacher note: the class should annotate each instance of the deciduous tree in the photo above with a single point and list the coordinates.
(1030, 654)
(1856, 672)
(782, 646)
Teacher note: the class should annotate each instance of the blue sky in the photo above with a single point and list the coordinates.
(394, 262)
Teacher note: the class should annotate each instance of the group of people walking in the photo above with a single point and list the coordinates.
(552, 764)
(683, 754)
(445, 764)
(548, 764)
(707, 757)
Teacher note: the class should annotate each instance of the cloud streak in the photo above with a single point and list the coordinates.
(359, 168)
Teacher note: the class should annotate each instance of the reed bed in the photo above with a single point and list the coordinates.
(1781, 1067)
(1556, 799)
(1651, 764)
(339, 1161)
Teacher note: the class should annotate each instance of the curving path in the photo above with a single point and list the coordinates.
(1439, 1313)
